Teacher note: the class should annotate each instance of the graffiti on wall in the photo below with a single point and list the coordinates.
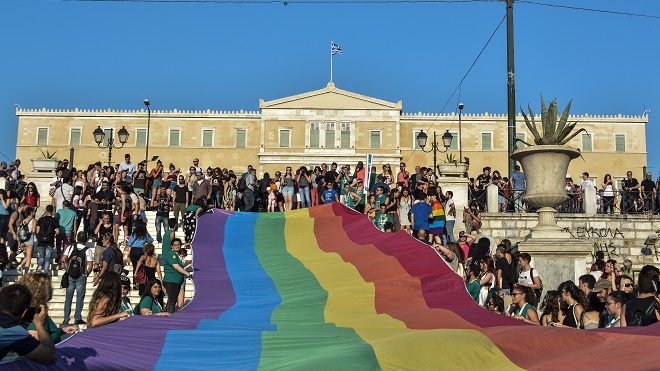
(606, 239)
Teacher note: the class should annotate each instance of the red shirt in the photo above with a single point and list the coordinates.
(31, 199)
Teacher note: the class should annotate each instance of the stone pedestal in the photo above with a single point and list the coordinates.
(459, 186)
(589, 201)
(557, 259)
(491, 198)
(42, 181)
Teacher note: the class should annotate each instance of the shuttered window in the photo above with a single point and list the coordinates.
(207, 138)
(175, 137)
(285, 138)
(345, 135)
(375, 139)
(486, 141)
(74, 137)
(314, 135)
(241, 138)
(620, 142)
(330, 135)
(141, 137)
(587, 144)
(42, 137)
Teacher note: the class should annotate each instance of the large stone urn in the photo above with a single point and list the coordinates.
(545, 168)
(556, 257)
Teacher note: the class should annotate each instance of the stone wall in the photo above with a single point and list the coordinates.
(618, 236)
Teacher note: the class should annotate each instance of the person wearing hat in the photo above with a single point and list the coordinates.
(201, 187)
(125, 300)
(64, 166)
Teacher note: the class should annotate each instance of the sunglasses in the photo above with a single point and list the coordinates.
(628, 285)
(514, 294)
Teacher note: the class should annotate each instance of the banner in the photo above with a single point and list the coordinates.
(367, 177)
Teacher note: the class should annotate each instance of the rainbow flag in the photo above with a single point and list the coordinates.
(322, 288)
(437, 225)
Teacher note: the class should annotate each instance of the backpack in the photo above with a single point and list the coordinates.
(46, 231)
(242, 184)
(538, 292)
(117, 263)
(513, 272)
(636, 316)
(24, 233)
(75, 264)
(303, 182)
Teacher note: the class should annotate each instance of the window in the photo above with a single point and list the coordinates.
(42, 136)
(329, 135)
(375, 139)
(140, 137)
(314, 135)
(285, 138)
(74, 137)
(587, 144)
(415, 134)
(207, 138)
(454, 142)
(345, 135)
(619, 142)
(108, 134)
(486, 141)
(175, 137)
(241, 138)
(522, 137)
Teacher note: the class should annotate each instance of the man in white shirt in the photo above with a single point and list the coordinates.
(450, 216)
(586, 182)
(128, 166)
(78, 280)
(63, 192)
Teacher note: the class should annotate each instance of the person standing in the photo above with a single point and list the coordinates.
(63, 193)
(249, 192)
(174, 274)
(79, 263)
(649, 192)
(47, 228)
(483, 181)
(630, 193)
(140, 180)
(517, 182)
(127, 166)
(450, 210)
(163, 204)
(67, 218)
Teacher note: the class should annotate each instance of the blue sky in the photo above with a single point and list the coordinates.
(98, 55)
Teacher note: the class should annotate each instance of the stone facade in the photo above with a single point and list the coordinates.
(619, 236)
(325, 125)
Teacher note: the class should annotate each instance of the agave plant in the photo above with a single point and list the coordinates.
(555, 131)
(47, 154)
(451, 159)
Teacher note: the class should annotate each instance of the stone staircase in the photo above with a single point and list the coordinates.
(56, 305)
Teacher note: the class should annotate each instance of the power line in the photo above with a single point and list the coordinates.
(460, 84)
(590, 9)
(303, 2)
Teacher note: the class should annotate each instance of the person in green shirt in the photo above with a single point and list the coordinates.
(151, 301)
(350, 198)
(41, 288)
(174, 274)
(473, 285)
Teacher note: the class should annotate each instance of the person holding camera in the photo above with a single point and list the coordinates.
(14, 310)
(609, 193)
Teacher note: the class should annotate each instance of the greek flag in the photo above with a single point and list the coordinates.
(335, 49)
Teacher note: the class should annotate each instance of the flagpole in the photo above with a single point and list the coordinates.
(331, 42)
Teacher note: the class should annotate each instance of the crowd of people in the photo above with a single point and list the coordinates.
(504, 282)
(79, 234)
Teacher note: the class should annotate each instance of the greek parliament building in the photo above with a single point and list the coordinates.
(325, 125)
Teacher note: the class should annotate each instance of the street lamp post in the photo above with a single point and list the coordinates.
(99, 135)
(146, 154)
(460, 133)
(446, 142)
